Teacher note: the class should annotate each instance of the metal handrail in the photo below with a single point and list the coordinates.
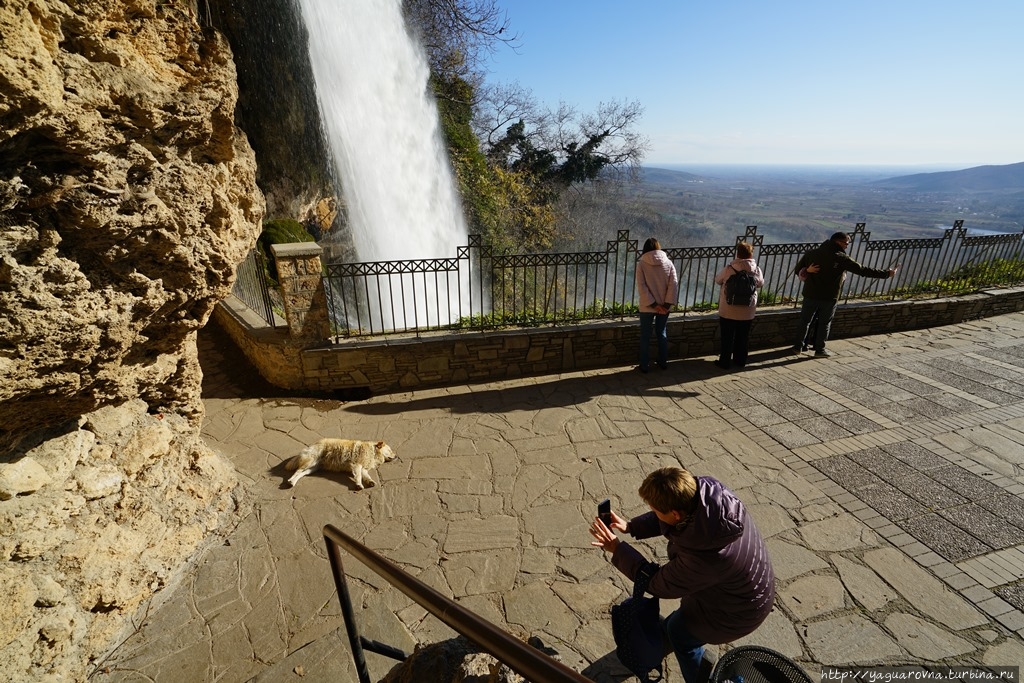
(521, 657)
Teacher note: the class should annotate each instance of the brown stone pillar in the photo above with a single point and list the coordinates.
(302, 286)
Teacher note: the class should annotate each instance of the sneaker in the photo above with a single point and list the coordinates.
(642, 369)
(805, 347)
(797, 349)
(823, 353)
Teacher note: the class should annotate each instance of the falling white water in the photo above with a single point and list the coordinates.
(382, 125)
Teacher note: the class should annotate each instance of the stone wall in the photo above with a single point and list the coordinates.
(403, 362)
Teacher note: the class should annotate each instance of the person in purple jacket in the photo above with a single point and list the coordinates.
(717, 565)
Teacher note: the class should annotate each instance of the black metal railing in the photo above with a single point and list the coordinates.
(521, 657)
(253, 286)
(481, 289)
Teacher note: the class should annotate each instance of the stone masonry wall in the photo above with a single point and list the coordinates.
(398, 363)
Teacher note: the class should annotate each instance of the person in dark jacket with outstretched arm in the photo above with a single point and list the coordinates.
(717, 566)
(823, 286)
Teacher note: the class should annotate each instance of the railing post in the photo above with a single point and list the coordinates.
(302, 287)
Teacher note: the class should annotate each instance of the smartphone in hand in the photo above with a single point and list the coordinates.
(604, 512)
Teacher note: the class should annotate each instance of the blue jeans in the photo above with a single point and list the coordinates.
(688, 648)
(659, 323)
(826, 310)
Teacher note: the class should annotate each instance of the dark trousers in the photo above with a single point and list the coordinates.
(735, 340)
(825, 310)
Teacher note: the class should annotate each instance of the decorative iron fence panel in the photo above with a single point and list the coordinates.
(480, 289)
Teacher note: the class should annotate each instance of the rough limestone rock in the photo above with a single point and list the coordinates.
(451, 661)
(127, 198)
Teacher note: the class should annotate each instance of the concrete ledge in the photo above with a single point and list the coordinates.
(404, 362)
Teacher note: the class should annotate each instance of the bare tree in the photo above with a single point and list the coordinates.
(559, 146)
(458, 35)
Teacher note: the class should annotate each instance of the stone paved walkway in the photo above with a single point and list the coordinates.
(888, 481)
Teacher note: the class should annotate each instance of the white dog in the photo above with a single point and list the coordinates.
(341, 455)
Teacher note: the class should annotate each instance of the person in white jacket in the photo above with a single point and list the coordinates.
(735, 319)
(657, 283)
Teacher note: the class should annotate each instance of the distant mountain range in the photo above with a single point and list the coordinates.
(665, 176)
(977, 179)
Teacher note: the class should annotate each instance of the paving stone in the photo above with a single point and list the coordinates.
(776, 633)
(927, 491)
(890, 502)
(821, 404)
(902, 413)
(944, 537)
(843, 532)
(1013, 593)
(812, 596)
(482, 534)
(1010, 652)
(890, 392)
(990, 528)
(924, 640)
(957, 405)
(476, 573)
(845, 640)
(845, 472)
(452, 467)
(837, 383)
(927, 409)
(790, 561)
(926, 593)
(868, 399)
(536, 606)
(1006, 449)
(915, 455)
(822, 428)
(966, 483)
(789, 435)
(770, 519)
(1007, 507)
(863, 584)
(761, 416)
(589, 598)
(854, 423)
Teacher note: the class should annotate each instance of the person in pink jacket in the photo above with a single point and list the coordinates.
(735, 319)
(657, 284)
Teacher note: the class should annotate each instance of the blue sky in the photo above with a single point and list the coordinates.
(875, 82)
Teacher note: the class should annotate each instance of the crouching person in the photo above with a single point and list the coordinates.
(717, 562)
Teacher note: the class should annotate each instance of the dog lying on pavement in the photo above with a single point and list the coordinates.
(341, 455)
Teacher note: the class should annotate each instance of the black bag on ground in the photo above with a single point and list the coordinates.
(740, 288)
(636, 626)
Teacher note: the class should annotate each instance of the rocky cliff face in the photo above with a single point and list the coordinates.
(127, 197)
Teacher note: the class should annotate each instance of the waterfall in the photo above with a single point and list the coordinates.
(382, 125)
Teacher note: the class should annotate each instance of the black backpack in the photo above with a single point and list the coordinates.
(740, 288)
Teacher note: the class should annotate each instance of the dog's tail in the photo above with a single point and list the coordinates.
(305, 457)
